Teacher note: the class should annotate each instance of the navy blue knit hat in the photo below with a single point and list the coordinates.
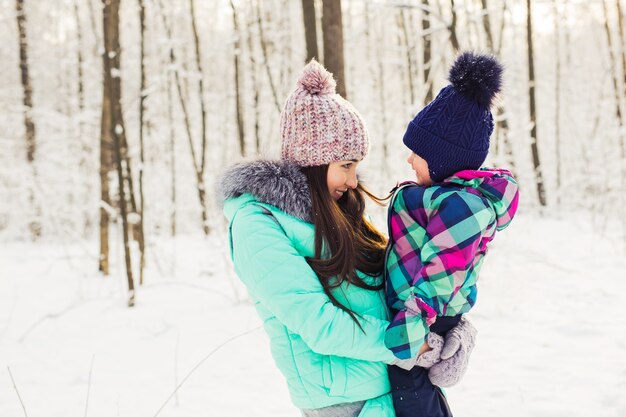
(452, 132)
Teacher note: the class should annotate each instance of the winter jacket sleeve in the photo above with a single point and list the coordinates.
(448, 247)
(280, 278)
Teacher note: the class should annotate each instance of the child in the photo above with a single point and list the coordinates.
(439, 228)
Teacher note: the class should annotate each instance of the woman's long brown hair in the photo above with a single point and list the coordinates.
(344, 240)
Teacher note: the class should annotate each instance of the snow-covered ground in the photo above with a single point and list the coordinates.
(550, 314)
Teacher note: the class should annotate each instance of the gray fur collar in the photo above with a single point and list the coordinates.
(278, 183)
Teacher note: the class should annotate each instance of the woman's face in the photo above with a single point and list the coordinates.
(420, 166)
(341, 177)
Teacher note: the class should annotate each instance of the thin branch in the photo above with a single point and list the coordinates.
(16, 391)
(176, 365)
(227, 341)
(89, 384)
(48, 316)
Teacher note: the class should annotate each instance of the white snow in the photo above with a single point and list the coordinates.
(552, 338)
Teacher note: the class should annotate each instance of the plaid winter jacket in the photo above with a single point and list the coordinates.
(438, 238)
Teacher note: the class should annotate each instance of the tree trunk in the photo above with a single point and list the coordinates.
(622, 30)
(557, 95)
(204, 145)
(616, 88)
(620, 17)
(310, 29)
(381, 99)
(238, 107)
(255, 84)
(502, 124)
(142, 106)
(116, 127)
(454, 40)
(619, 96)
(487, 26)
(29, 126)
(284, 26)
(332, 31)
(84, 149)
(172, 135)
(427, 53)
(79, 70)
(27, 87)
(266, 63)
(533, 117)
(199, 67)
(618, 100)
(132, 200)
(375, 44)
(197, 166)
(105, 153)
(409, 49)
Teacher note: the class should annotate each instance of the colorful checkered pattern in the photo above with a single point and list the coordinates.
(438, 238)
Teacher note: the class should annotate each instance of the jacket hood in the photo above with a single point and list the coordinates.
(278, 183)
(497, 185)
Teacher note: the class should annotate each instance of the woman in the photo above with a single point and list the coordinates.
(309, 258)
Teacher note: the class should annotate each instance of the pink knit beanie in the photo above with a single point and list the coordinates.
(317, 125)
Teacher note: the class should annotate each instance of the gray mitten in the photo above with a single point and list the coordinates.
(458, 346)
(433, 356)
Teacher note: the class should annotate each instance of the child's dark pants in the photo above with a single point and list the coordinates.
(413, 393)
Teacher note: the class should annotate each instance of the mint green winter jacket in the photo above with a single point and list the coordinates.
(324, 356)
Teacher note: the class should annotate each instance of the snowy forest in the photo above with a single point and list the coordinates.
(117, 117)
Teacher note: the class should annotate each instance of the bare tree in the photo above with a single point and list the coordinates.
(116, 122)
(199, 68)
(310, 29)
(84, 148)
(29, 125)
(374, 44)
(533, 117)
(263, 41)
(472, 26)
(284, 26)
(105, 158)
(172, 143)
(199, 166)
(255, 83)
(620, 21)
(622, 30)
(622, 47)
(27, 86)
(409, 50)
(332, 31)
(427, 51)
(618, 94)
(557, 95)
(614, 77)
(454, 40)
(487, 27)
(502, 123)
(238, 107)
(79, 69)
(142, 107)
